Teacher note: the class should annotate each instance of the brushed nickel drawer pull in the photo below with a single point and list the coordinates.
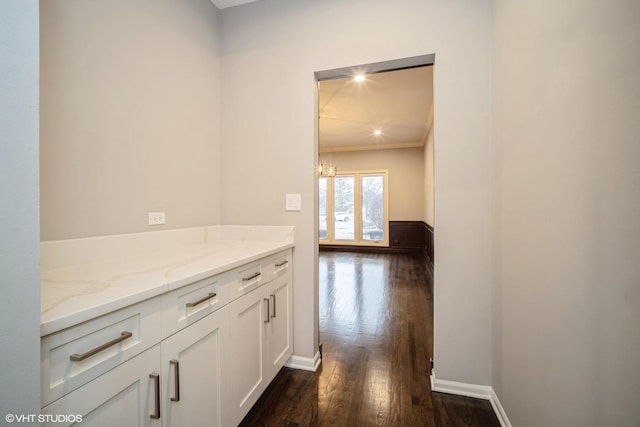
(156, 378)
(80, 357)
(268, 319)
(201, 300)
(280, 264)
(273, 299)
(253, 276)
(176, 370)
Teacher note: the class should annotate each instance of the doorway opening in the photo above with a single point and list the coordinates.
(375, 167)
(375, 163)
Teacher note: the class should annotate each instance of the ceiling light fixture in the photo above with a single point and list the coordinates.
(326, 169)
(359, 78)
(377, 132)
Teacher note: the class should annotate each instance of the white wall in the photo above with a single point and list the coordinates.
(567, 206)
(429, 184)
(130, 117)
(406, 176)
(271, 50)
(19, 231)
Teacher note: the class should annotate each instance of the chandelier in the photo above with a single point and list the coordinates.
(326, 169)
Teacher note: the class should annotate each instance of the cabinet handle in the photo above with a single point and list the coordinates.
(80, 357)
(201, 300)
(273, 299)
(156, 378)
(253, 276)
(280, 264)
(268, 319)
(176, 371)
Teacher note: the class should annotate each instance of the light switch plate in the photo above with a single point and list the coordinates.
(294, 202)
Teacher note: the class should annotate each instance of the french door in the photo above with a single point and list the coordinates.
(353, 209)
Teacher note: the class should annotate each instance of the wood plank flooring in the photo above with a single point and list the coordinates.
(376, 329)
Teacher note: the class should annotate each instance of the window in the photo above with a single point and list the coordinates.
(353, 209)
(322, 208)
(344, 192)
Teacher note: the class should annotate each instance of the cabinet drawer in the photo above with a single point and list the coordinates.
(277, 265)
(188, 304)
(75, 356)
(246, 278)
(124, 396)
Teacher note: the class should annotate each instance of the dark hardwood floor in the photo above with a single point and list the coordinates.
(376, 329)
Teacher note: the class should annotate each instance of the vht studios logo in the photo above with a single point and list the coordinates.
(43, 418)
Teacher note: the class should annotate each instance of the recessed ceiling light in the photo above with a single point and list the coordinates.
(359, 78)
(377, 132)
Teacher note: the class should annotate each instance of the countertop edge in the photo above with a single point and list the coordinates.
(58, 324)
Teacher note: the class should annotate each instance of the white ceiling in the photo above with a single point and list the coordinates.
(222, 4)
(399, 103)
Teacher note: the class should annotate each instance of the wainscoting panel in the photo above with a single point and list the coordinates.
(406, 237)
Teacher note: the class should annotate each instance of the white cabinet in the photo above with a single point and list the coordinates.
(199, 355)
(74, 356)
(244, 352)
(175, 383)
(279, 328)
(124, 396)
(191, 388)
(188, 304)
(259, 343)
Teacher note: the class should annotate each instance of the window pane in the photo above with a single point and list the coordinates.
(372, 208)
(322, 204)
(343, 211)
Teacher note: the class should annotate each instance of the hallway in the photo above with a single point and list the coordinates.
(377, 336)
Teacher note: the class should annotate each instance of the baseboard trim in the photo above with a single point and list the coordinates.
(475, 391)
(461, 389)
(305, 363)
(499, 410)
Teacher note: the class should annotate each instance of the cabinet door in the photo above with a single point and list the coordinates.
(279, 328)
(191, 371)
(244, 352)
(125, 396)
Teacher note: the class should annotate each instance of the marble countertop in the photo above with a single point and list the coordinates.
(72, 293)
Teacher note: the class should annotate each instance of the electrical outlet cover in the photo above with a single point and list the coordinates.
(157, 218)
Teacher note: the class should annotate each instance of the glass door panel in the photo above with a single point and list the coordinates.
(344, 196)
(353, 209)
(372, 189)
(322, 208)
